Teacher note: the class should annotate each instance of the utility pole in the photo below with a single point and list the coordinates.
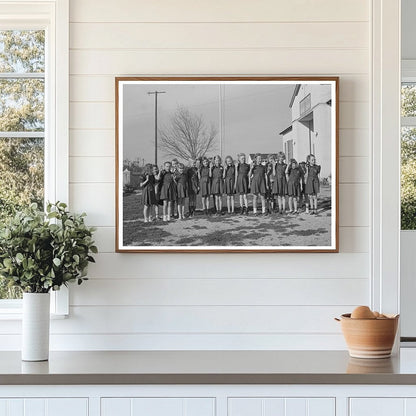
(221, 115)
(156, 93)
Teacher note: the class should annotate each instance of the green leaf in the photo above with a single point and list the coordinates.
(57, 262)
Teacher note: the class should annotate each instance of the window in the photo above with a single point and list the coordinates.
(33, 112)
(22, 124)
(305, 104)
(408, 156)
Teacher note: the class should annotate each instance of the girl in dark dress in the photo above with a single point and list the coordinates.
(217, 183)
(303, 197)
(280, 181)
(148, 192)
(156, 174)
(269, 184)
(174, 170)
(241, 182)
(205, 184)
(258, 178)
(229, 183)
(181, 179)
(193, 186)
(293, 175)
(312, 182)
(167, 191)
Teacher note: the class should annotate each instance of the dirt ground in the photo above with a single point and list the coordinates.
(229, 229)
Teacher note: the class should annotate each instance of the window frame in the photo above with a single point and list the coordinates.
(53, 17)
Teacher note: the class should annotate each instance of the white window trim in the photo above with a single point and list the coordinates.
(53, 16)
(385, 95)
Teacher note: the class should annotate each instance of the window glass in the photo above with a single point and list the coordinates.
(22, 104)
(22, 125)
(22, 51)
(408, 158)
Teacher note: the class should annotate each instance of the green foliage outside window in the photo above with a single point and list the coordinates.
(21, 110)
(408, 160)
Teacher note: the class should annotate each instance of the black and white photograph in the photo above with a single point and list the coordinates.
(227, 164)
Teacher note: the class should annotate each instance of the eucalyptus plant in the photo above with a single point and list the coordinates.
(42, 251)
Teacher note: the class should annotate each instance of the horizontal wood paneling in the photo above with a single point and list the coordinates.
(218, 35)
(93, 143)
(96, 199)
(354, 142)
(101, 88)
(219, 62)
(354, 200)
(218, 11)
(92, 169)
(354, 265)
(242, 320)
(354, 170)
(108, 39)
(166, 341)
(220, 291)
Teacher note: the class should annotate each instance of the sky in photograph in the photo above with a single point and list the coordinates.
(253, 116)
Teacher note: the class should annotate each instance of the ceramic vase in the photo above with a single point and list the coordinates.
(35, 326)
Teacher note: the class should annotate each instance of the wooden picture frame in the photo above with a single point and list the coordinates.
(267, 118)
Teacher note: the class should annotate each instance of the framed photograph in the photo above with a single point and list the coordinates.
(226, 164)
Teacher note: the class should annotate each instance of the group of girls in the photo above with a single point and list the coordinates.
(274, 181)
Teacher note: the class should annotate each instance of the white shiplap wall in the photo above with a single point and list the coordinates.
(173, 301)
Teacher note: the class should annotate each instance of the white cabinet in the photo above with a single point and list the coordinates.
(146, 406)
(44, 407)
(269, 406)
(382, 406)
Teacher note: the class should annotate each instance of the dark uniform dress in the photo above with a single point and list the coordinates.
(148, 192)
(205, 181)
(217, 180)
(193, 181)
(293, 184)
(229, 181)
(258, 182)
(243, 170)
(302, 168)
(168, 189)
(312, 182)
(269, 182)
(280, 182)
(158, 185)
(181, 185)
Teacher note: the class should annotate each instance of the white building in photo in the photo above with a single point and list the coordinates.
(310, 131)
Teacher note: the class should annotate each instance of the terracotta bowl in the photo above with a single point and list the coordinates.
(369, 338)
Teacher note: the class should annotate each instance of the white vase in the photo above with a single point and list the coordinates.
(35, 326)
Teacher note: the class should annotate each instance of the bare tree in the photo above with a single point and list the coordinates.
(187, 136)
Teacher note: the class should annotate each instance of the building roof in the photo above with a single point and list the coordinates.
(286, 130)
(295, 93)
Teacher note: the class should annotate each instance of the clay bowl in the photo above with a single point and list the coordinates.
(369, 338)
